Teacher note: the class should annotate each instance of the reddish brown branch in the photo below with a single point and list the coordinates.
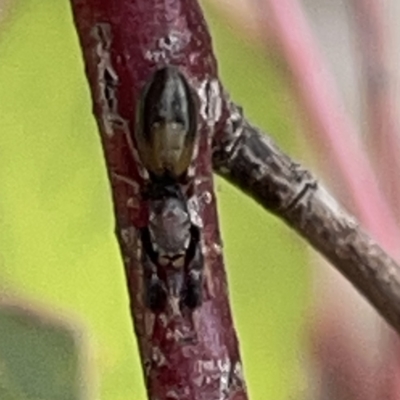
(185, 355)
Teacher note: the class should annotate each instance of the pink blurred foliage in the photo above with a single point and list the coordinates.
(373, 44)
(334, 132)
(355, 355)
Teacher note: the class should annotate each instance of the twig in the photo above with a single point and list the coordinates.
(251, 161)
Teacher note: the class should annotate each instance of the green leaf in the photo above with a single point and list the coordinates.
(39, 357)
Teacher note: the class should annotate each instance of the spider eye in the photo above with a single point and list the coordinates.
(167, 123)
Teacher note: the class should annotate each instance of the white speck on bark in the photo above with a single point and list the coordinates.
(108, 81)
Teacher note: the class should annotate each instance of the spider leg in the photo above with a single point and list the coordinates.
(155, 295)
(193, 292)
(126, 180)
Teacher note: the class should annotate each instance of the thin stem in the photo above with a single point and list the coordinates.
(251, 161)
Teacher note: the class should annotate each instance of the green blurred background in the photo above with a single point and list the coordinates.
(58, 256)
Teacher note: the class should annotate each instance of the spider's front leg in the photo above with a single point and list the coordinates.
(155, 291)
(126, 180)
(155, 295)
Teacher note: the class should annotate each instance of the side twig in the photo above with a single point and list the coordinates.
(251, 161)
